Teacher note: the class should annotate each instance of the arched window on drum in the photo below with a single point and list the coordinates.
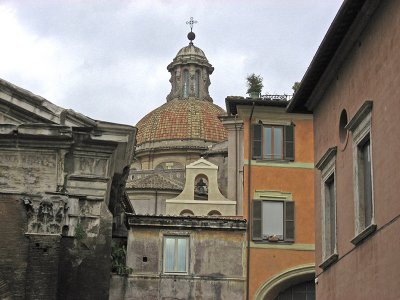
(185, 92)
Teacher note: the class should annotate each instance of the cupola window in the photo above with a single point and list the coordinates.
(197, 83)
(185, 84)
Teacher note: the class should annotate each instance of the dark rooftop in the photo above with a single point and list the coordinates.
(267, 100)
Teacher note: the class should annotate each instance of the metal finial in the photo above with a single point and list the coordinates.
(191, 22)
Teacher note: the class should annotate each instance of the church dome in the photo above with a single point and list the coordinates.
(188, 119)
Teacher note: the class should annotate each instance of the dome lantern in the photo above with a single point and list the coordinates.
(190, 71)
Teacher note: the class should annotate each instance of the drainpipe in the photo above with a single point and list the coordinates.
(248, 205)
(236, 167)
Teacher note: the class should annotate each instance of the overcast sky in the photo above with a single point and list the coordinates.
(108, 59)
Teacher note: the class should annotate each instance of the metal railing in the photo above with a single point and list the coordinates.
(283, 97)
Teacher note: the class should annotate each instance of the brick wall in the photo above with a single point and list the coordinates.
(13, 246)
(42, 271)
(85, 266)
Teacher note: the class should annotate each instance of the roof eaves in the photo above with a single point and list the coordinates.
(347, 25)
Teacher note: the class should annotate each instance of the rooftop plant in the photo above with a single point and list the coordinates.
(254, 84)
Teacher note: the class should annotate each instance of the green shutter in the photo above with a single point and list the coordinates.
(256, 224)
(289, 221)
(256, 141)
(289, 142)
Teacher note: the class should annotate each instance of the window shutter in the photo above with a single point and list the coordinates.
(289, 221)
(256, 225)
(289, 142)
(257, 140)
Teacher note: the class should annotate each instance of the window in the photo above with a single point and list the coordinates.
(273, 142)
(330, 216)
(176, 250)
(185, 92)
(186, 212)
(365, 182)
(328, 207)
(273, 220)
(197, 83)
(214, 213)
(360, 126)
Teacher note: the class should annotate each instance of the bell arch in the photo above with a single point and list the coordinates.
(201, 186)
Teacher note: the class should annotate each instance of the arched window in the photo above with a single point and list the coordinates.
(197, 83)
(185, 92)
(186, 212)
(214, 213)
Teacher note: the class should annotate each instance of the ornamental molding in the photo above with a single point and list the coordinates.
(46, 213)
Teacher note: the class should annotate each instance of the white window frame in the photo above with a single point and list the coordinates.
(360, 126)
(176, 238)
(327, 165)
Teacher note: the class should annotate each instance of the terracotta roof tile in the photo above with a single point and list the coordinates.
(182, 119)
(155, 181)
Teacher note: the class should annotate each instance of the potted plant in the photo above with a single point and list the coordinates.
(254, 85)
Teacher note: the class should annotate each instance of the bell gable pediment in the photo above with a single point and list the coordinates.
(202, 164)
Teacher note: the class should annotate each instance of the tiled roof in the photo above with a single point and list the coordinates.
(182, 120)
(154, 181)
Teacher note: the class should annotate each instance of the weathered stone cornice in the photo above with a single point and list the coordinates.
(188, 222)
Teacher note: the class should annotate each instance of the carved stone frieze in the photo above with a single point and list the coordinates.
(46, 214)
(28, 171)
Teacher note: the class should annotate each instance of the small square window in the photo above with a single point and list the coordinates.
(176, 252)
(273, 142)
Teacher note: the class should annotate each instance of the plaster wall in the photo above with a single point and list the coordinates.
(215, 200)
(268, 259)
(235, 162)
(370, 72)
(216, 266)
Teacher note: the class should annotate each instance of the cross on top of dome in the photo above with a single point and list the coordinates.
(191, 36)
(191, 22)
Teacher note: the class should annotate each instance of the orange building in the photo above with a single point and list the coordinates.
(271, 173)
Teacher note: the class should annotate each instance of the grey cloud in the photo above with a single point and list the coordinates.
(120, 44)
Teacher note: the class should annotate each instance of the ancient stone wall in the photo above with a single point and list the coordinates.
(55, 193)
(13, 247)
